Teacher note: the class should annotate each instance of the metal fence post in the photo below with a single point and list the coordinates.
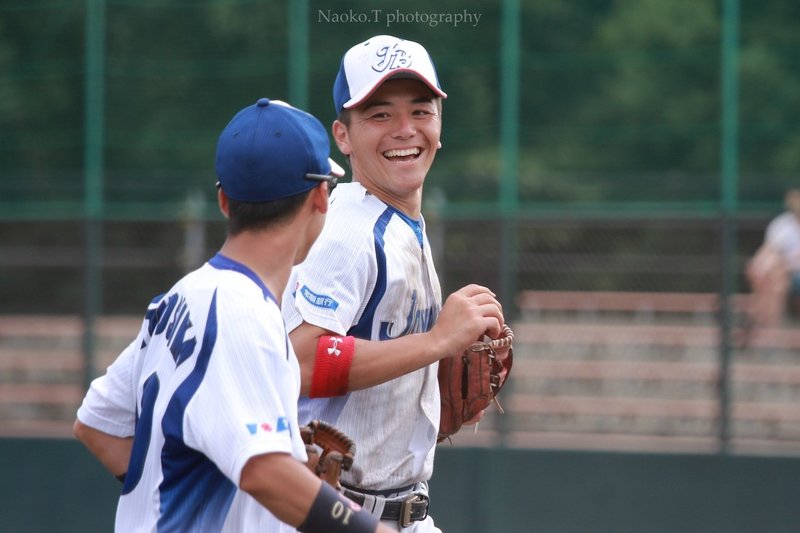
(509, 157)
(729, 189)
(298, 53)
(93, 185)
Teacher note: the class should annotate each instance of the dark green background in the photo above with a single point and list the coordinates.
(619, 101)
(604, 117)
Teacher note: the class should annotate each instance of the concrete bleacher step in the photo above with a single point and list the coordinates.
(649, 396)
(42, 369)
(612, 383)
(750, 380)
(612, 367)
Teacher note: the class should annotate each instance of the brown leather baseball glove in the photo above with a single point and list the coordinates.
(337, 453)
(470, 381)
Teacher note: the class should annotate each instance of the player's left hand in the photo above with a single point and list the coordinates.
(470, 381)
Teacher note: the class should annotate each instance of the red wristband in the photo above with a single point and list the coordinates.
(332, 366)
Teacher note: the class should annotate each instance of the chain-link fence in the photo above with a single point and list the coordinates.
(609, 167)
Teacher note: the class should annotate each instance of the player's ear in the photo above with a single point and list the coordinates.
(222, 201)
(341, 136)
(319, 198)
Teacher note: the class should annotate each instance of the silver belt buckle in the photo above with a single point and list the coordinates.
(405, 509)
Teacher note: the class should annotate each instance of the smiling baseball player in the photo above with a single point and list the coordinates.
(365, 309)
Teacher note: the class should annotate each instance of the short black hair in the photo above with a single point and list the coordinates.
(344, 114)
(254, 216)
(344, 117)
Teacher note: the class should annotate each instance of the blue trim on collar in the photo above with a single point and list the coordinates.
(415, 225)
(221, 262)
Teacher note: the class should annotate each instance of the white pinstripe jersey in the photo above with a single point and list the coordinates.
(210, 381)
(370, 274)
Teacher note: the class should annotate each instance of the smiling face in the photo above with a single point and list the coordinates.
(391, 140)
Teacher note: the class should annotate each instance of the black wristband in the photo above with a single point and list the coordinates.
(331, 512)
(121, 477)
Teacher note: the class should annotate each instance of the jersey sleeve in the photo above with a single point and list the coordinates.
(331, 287)
(110, 403)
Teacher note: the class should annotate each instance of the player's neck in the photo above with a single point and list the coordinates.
(409, 203)
(267, 254)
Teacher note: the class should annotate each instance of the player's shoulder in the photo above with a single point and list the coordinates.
(352, 216)
(352, 201)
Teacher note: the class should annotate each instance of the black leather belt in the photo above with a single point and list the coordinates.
(413, 509)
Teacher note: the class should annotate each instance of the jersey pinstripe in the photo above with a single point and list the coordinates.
(370, 274)
(210, 381)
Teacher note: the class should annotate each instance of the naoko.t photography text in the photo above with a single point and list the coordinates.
(397, 16)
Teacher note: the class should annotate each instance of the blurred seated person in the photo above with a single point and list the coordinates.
(774, 270)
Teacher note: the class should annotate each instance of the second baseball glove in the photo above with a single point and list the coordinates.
(470, 381)
(337, 448)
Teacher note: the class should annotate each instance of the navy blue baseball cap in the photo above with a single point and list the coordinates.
(267, 150)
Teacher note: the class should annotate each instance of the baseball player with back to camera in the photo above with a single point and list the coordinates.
(364, 310)
(198, 416)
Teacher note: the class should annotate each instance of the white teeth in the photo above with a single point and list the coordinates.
(401, 153)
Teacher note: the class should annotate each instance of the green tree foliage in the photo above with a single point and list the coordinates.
(619, 106)
(646, 125)
(620, 100)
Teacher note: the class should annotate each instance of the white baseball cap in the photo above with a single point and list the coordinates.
(367, 65)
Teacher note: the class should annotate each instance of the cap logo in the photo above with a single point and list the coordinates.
(391, 58)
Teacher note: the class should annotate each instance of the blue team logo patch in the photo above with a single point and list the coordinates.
(283, 424)
(318, 300)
